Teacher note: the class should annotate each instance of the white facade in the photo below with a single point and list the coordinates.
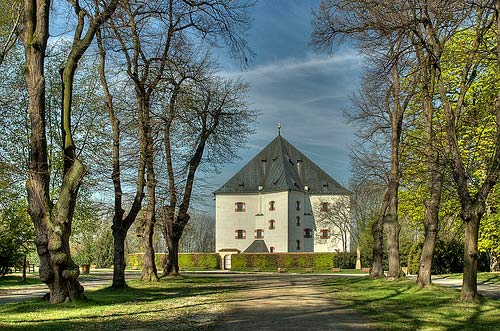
(281, 201)
(289, 229)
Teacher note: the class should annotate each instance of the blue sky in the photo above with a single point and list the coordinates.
(307, 92)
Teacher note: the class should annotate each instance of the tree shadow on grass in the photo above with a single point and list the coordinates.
(132, 303)
(400, 305)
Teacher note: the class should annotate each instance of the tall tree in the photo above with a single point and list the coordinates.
(214, 118)
(372, 27)
(150, 35)
(52, 221)
(121, 221)
(472, 196)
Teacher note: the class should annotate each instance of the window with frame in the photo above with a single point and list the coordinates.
(298, 245)
(239, 207)
(325, 234)
(297, 205)
(325, 206)
(272, 224)
(307, 233)
(272, 205)
(240, 234)
(298, 221)
(259, 234)
(271, 249)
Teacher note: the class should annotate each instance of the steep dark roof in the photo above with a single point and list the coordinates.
(258, 246)
(278, 167)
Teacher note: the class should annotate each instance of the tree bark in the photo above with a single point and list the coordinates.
(172, 266)
(119, 264)
(376, 271)
(52, 222)
(471, 256)
(391, 224)
(149, 271)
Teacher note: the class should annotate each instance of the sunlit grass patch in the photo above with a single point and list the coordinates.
(400, 305)
(186, 303)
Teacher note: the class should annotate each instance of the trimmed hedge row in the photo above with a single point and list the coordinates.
(292, 261)
(187, 261)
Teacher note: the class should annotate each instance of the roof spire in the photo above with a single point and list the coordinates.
(279, 128)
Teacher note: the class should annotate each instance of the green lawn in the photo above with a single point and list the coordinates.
(485, 277)
(184, 303)
(400, 305)
(14, 281)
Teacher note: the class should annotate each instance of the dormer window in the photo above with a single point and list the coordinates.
(272, 205)
(325, 206)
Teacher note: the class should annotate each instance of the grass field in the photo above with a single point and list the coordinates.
(400, 305)
(14, 281)
(184, 303)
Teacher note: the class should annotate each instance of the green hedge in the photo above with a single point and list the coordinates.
(292, 261)
(187, 261)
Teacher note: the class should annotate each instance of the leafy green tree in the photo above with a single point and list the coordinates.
(16, 231)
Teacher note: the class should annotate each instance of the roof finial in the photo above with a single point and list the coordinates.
(279, 128)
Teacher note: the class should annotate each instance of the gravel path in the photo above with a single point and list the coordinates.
(288, 302)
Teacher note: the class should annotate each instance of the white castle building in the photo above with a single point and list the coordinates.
(281, 201)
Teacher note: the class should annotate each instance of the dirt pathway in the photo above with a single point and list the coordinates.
(288, 303)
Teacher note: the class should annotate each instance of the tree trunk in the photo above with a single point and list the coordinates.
(52, 223)
(471, 256)
(435, 178)
(392, 229)
(120, 225)
(425, 266)
(149, 272)
(24, 269)
(376, 270)
(173, 256)
(119, 263)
